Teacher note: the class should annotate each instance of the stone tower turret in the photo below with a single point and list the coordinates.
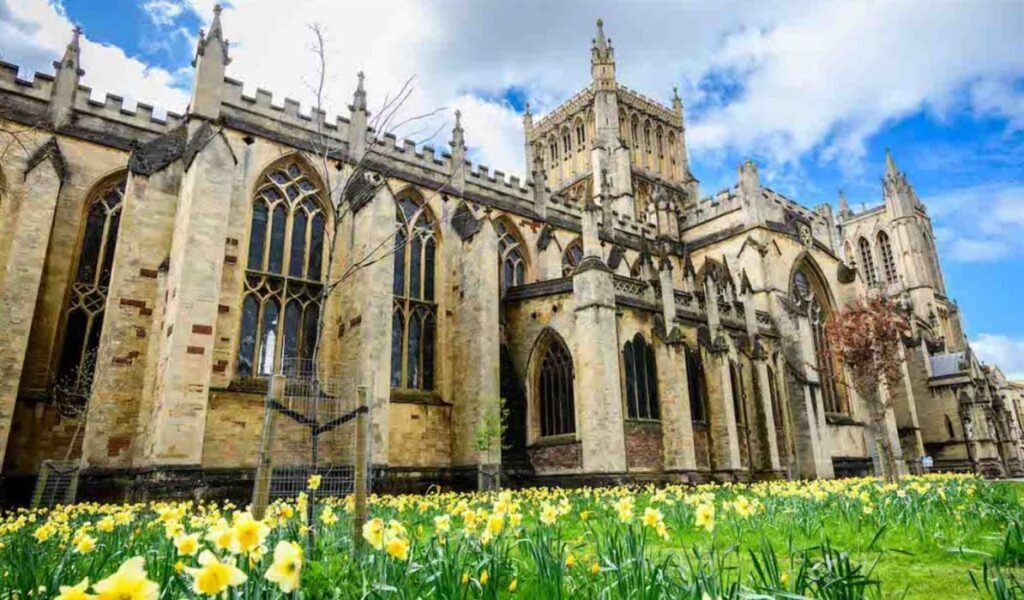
(458, 144)
(357, 121)
(68, 72)
(210, 62)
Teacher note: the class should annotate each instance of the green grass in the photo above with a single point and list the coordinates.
(828, 539)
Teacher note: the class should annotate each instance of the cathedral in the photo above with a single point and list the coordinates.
(627, 327)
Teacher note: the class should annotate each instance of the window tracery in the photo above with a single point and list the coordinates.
(696, 386)
(641, 379)
(571, 257)
(510, 257)
(888, 263)
(867, 262)
(808, 294)
(414, 314)
(555, 390)
(284, 275)
(83, 315)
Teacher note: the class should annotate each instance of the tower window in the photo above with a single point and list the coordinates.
(867, 262)
(696, 386)
(888, 263)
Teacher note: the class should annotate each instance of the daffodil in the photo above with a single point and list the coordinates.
(548, 514)
(398, 548)
(85, 543)
(373, 533)
(248, 533)
(314, 482)
(705, 516)
(287, 566)
(187, 545)
(129, 582)
(75, 592)
(213, 576)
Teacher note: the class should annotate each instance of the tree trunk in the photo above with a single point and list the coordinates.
(886, 464)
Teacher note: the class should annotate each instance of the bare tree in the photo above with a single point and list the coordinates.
(356, 180)
(70, 394)
(866, 337)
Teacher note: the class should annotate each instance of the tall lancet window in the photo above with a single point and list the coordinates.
(555, 388)
(510, 257)
(696, 386)
(284, 274)
(888, 262)
(641, 379)
(83, 316)
(414, 312)
(809, 293)
(867, 262)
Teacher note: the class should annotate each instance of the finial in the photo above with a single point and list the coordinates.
(75, 34)
(359, 96)
(600, 43)
(890, 164)
(675, 92)
(526, 109)
(458, 136)
(217, 8)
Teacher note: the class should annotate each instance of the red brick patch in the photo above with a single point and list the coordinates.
(196, 350)
(202, 329)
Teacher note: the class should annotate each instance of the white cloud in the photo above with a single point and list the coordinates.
(979, 223)
(1005, 351)
(163, 12)
(36, 33)
(813, 79)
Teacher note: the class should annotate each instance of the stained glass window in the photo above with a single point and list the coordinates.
(555, 390)
(414, 319)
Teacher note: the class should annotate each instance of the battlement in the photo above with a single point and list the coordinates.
(649, 106)
(560, 114)
(711, 207)
(111, 108)
(290, 112)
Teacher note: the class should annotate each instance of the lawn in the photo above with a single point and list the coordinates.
(853, 538)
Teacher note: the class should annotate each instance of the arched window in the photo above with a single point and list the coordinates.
(566, 143)
(949, 427)
(737, 395)
(888, 263)
(647, 137)
(414, 316)
(641, 379)
(634, 128)
(571, 257)
(661, 143)
(809, 293)
(555, 389)
(284, 275)
(510, 257)
(696, 386)
(581, 135)
(83, 315)
(867, 261)
(553, 150)
(773, 395)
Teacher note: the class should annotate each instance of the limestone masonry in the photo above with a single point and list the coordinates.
(163, 269)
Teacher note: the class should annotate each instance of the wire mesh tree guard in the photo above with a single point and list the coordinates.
(313, 425)
(57, 483)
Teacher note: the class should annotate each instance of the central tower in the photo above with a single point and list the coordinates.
(609, 135)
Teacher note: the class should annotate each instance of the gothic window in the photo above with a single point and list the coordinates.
(888, 263)
(696, 386)
(571, 257)
(949, 427)
(83, 316)
(737, 395)
(414, 315)
(555, 390)
(661, 144)
(641, 379)
(867, 262)
(773, 395)
(581, 135)
(510, 257)
(808, 293)
(284, 275)
(647, 137)
(672, 148)
(553, 149)
(566, 143)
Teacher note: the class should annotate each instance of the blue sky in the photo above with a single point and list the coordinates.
(814, 92)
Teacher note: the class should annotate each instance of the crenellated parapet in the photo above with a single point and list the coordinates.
(36, 94)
